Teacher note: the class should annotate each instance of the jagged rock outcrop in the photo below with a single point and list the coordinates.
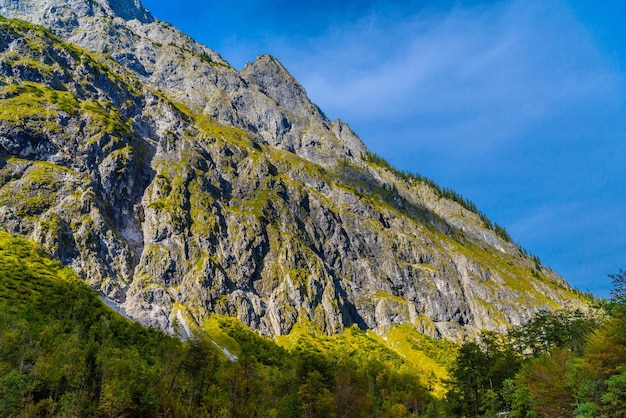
(264, 100)
(181, 187)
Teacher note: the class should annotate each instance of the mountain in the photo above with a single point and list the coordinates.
(180, 187)
(64, 353)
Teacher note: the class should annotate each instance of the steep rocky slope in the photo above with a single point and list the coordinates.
(263, 99)
(180, 187)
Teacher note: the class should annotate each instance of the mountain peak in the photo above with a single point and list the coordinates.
(182, 187)
(268, 60)
(126, 9)
(66, 12)
(276, 82)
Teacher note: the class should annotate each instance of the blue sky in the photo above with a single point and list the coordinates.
(519, 106)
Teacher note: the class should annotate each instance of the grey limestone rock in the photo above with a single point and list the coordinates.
(263, 99)
(181, 187)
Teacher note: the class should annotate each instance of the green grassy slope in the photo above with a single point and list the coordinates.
(63, 353)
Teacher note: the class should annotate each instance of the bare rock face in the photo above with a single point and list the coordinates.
(180, 187)
(264, 100)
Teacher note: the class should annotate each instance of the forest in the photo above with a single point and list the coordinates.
(63, 353)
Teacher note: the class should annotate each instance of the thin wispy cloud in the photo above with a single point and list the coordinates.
(506, 68)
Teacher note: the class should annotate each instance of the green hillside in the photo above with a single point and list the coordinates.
(64, 353)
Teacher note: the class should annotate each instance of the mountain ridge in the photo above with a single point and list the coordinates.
(168, 60)
(181, 187)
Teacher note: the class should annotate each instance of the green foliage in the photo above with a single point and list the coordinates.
(471, 379)
(526, 370)
(432, 358)
(368, 378)
(548, 330)
(617, 304)
(559, 364)
(38, 188)
(63, 353)
(105, 120)
(546, 379)
(35, 105)
(614, 399)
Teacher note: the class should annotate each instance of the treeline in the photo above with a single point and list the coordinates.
(62, 353)
(441, 192)
(565, 364)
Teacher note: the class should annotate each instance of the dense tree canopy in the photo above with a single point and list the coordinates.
(560, 364)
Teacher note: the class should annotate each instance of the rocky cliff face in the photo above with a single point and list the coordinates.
(264, 99)
(180, 187)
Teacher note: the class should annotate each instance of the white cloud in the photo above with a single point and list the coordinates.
(489, 74)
